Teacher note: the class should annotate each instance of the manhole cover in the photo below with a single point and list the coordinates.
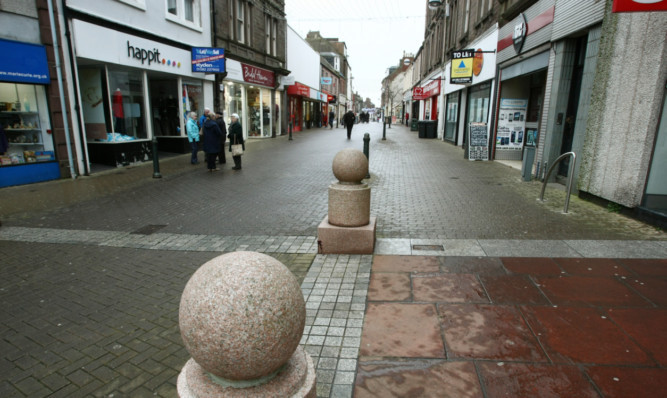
(148, 229)
(429, 247)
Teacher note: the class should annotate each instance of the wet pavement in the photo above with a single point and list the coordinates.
(475, 288)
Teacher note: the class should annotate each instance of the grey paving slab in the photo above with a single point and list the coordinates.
(619, 249)
(393, 246)
(527, 248)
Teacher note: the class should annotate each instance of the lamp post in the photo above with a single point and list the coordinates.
(434, 4)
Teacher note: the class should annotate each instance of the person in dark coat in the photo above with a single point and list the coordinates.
(332, 115)
(348, 118)
(236, 137)
(223, 128)
(212, 134)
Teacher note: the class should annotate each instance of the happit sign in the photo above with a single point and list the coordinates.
(148, 56)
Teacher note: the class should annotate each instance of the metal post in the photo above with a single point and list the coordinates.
(367, 139)
(290, 131)
(389, 118)
(384, 131)
(156, 161)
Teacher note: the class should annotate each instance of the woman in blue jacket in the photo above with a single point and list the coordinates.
(193, 136)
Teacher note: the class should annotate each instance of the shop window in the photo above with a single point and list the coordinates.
(128, 115)
(164, 107)
(233, 101)
(266, 113)
(452, 116)
(254, 109)
(187, 12)
(193, 99)
(94, 103)
(23, 136)
(276, 115)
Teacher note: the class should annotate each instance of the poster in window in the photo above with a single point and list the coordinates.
(511, 133)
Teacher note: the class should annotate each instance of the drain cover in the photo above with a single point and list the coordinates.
(429, 247)
(148, 229)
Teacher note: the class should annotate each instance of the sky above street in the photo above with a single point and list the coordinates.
(376, 33)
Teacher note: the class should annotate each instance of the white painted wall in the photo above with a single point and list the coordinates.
(302, 60)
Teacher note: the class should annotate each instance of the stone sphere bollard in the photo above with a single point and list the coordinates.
(241, 317)
(349, 198)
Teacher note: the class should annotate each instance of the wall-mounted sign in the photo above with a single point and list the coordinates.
(326, 81)
(208, 60)
(519, 35)
(23, 63)
(639, 5)
(461, 72)
(298, 89)
(429, 90)
(255, 75)
(331, 99)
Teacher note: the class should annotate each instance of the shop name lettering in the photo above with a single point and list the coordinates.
(255, 75)
(143, 55)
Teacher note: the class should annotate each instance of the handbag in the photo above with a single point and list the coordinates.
(237, 149)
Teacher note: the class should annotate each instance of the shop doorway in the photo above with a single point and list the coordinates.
(570, 117)
(164, 106)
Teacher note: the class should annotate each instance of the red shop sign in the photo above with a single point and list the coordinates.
(298, 89)
(429, 90)
(639, 5)
(255, 75)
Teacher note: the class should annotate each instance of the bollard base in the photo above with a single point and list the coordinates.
(332, 239)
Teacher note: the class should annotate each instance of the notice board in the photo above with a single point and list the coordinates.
(478, 141)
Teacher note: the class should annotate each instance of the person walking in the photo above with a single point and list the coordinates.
(235, 138)
(223, 128)
(211, 138)
(332, 115)
(348, 118)
(193, 136)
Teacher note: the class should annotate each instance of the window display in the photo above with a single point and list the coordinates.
(254, 108)
(193, 99)
(276, 116)
(233, 100)
(22, 137)
(127, 105)
(266, 113)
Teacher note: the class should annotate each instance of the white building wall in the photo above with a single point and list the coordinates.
(302, 60)
(151, 16)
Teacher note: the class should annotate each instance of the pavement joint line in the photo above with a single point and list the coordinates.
(308, 244)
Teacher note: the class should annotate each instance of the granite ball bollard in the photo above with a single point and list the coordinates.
(349, 198)
(241, 317)
(350, 166)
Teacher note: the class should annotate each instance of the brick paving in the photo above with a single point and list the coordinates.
(94, 268)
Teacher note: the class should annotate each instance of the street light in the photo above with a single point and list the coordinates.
(434, 4)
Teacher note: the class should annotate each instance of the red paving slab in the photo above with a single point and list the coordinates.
(450, 288)
(583, 335)
(648, 267)
(523, 380)
(592, 266)
(581, 290)
(401, 330)
(648, 327)
(417, 379)
(406, 264)
(532, 266)
(512, 289)
(522, 327)
(626, 382)
(488, 332)
(389, 287)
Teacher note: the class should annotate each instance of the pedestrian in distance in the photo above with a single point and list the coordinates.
(236, 138)
(212, 138)
(223, 128)
(193, 136)
(331, 119)
(348, 118)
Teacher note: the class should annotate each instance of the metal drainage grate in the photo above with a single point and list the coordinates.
(440, 248)
(148, 230)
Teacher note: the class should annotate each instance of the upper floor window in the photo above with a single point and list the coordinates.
(140, 4)
(466, 17)
(270, 32)
(187, 12)
(240, 17)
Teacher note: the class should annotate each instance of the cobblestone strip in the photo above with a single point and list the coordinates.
(335, 290)
(164, 241)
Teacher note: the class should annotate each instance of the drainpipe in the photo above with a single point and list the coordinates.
(59, 73)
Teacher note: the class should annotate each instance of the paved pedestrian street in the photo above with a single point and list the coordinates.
(474, 288)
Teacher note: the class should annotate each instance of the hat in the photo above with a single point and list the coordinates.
(236, 115)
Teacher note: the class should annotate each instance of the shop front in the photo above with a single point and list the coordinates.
(297, 95)
(132, 90)
(468, 95)
(428, 95)
(26, 144)
(250, 92)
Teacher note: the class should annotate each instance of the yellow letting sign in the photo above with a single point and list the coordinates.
(462, 66)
